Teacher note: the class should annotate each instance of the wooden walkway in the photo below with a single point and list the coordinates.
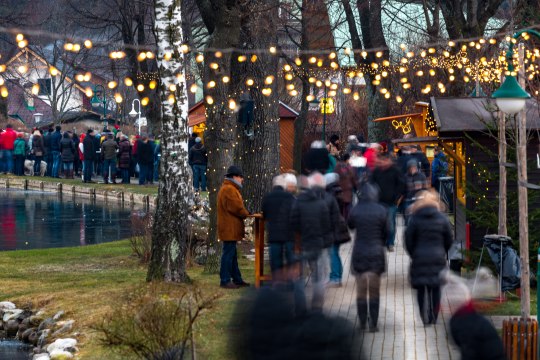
(401, 332)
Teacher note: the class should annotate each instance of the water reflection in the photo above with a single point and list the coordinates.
(34, 220)
(14, 350)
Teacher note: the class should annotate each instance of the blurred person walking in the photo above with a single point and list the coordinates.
(439, 168)
(276, 210)
(428, 238)
(19, 154)
(8, 141)
(230, 227)
(310, 217)
(369, 219)
(348, 183)
(55, 139)
(89, 153)
(108, 152)
(38, 149)
(145, 157)
(415, 181)
(124, 158)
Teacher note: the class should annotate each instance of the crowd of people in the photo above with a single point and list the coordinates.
(110, 154)
(308, 218)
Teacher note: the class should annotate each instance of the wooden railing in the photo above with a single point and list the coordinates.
(520, 339)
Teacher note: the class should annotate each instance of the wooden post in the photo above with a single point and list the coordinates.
(502, 229)
(522, 199)
(259, 250)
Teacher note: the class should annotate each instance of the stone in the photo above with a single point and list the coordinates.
(58, 354)
(61, 344)
(35, 320)
(23, 326)
(3, 334)
(11, 314)
(6, 305)
(58, 315)
(26, 333)
(43, 356)
(33, 338)
(65, 327)
(43, 335)
(12, 327)
(46, 324)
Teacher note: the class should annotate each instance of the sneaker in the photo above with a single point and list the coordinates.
(242, 284)
(229, 286)
(391, 248)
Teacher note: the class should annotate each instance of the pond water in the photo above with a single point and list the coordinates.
(14, 350)
(36, 220)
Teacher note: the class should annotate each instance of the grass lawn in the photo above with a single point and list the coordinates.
(511, 306)
(86, 282)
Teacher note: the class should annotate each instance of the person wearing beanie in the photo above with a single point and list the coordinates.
(230, 226)
(415, 181)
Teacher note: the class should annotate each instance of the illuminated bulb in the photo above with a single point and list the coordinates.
(375, 65)
(242, 58)
(452, 78)
(211, 84)
(420, 73)
(327, 82)
(140, 87)
(218, 54)
(431, 72)
(167, 56)
(253, 58)
(384, 74)
(451, 71)
(386, 63)
(112, 84)
(35, 89)
(310, 98)
(150, 55)
(319, 63)
(118, 98)
(407, 86)
(333, 65)
(171, 99)
(375, 82)
(402, 69)
(269, 80)
(356, 96)
(387, 96)
(266, 91)
(273, 50)
(4, 91)
(399, 99)
(318, 83)
(298, 62)
(145, 101)
(312, 80)
(88, 44)
(184, 48)
(288, 77)
(68, 46)
(466, 79)
(290, 87)
(334, 86)
(287, 67)
(423, 53)
(293, 92)
(383, 90)
(378, 54)
(332, 55)
(53, 71)
(87, 76)
(209, 100)
(404, 60)
(88, 92)
(225, 79)
(199, 58)
(79, 77)
(360, 74)
(152, 85)
(312, 60)
(232, 104)
(431, 50)
(22, 43)
(492, 41)
(76, 47)
(128, 81)
(402, 46)
(193, 88)
(451, 43)
(378, 77)
(347, 51)
(332, 93)
(478, 46)
(346, 91)
(19, 37)
(410, 54)
(172, 87)
(214, 66)
(2, 68)
(351, 74)
(404, 80)
(249, 82)
(141, 56)
(446, 53)
(364, 54)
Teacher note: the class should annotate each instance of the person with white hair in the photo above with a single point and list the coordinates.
(290, 182)
(317, 158)
(310, 217)
(276, 210)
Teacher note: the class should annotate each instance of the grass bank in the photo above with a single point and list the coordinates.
(87, 282)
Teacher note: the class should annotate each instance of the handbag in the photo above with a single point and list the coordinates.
(342, 231)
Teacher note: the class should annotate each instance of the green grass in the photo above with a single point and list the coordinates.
(89, 282)
(510, 307)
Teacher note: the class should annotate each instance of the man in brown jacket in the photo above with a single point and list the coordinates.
(230, 216)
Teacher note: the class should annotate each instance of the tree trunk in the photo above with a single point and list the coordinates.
(259, 155)
(170, 230)
(300, 127)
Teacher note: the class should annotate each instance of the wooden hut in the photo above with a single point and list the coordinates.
(287, 116)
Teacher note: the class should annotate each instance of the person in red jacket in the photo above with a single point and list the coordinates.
(8, 140)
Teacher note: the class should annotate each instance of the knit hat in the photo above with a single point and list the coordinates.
(197, 139)
(234, 170)
(412, 163)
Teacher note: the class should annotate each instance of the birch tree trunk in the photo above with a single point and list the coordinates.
(169, 234)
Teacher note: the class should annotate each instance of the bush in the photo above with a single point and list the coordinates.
(154, 325)
(141, 241)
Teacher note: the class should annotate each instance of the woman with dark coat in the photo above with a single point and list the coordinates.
(67, 152)
(369, 218)
(124, 158)
(38, 149)
(427, 239)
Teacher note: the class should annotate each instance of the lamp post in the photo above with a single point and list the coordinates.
(98, 99)
(134, 113)
(511, 99)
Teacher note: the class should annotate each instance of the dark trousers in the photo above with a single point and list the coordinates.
(19, 165)
(144, 171)
(368, 286)
(199, 177)
(109, 169)
(88, 167)
(37, 165)
(49, 161)
(429, 310)
(279, 251)
(229, 264)
(125, 175)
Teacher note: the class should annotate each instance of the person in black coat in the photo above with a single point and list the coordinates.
(276, 210)
(145, 156)
(67, 154)
(428, 238)
(369, 219)
(317, 158)
(89, 155)
(310, 217)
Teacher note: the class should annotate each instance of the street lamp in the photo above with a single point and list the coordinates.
(511, 99)
(99, 98)
(134, 113)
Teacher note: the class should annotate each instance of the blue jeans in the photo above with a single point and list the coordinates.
(125, 176)
(336, 267)
(199, 172)
(49, 161)
(229, 264)
(277, 251)
(8, 160)
(156, 171)
(68, 166)
(88, 167)
(143, 173)
(392, 212)
(109, 164)
(56, 163)
(37, 165)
